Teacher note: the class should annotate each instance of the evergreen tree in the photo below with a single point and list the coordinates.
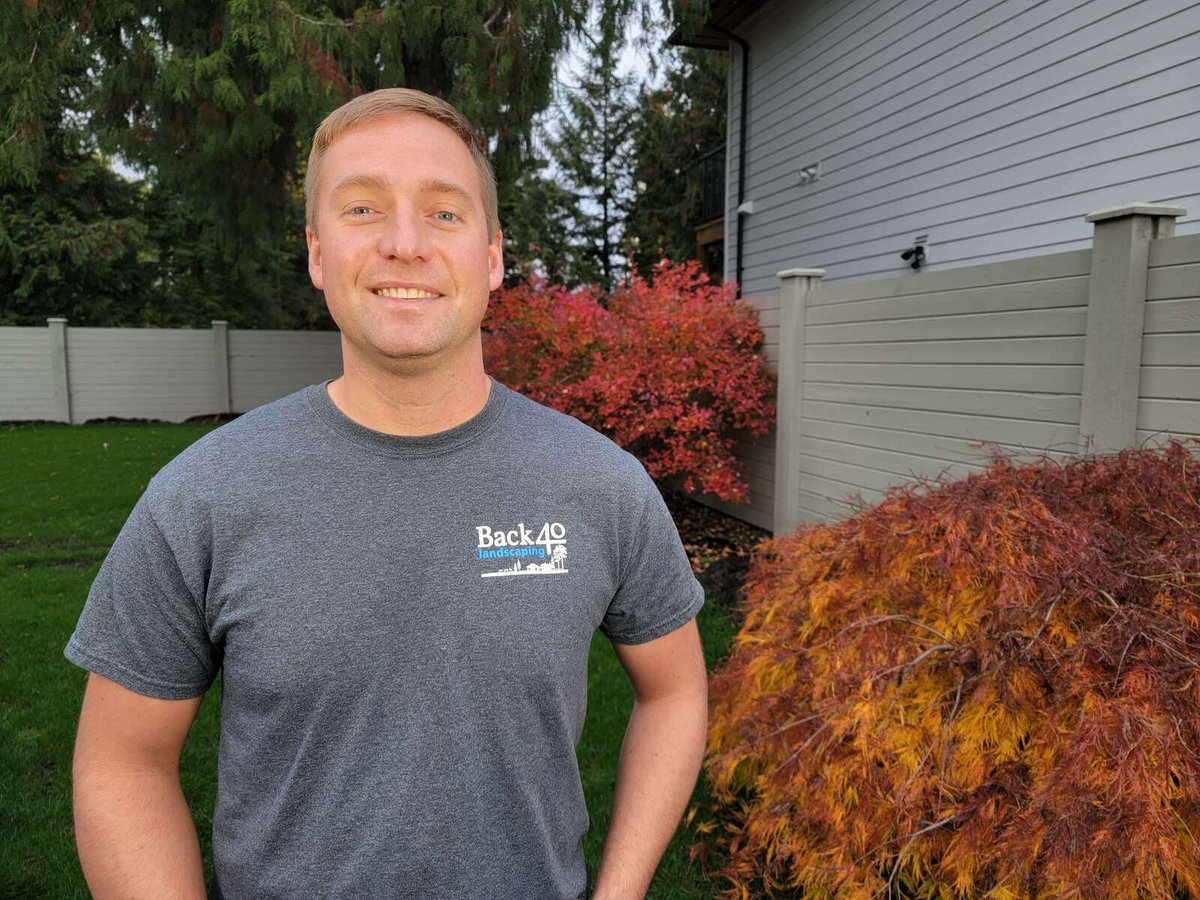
(72, 236)
(214, 101)
(538, 214)
(590, 145)
(676, 125)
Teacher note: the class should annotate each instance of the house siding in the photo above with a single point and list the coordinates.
(988, 126)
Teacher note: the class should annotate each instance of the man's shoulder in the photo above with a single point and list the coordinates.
(562, 436)
(237, 446)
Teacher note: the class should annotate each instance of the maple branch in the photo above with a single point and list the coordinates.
(812, 737)
(1175, 637)
(911, 839)
(1162, 512)
(841, 707)
(323, 23)
(1109, 597)
(1045, 621)
(1185, 826)
(1187, 659)
(953, 712)
(1121, 661)
(877, 620)
(912, 662)
(784, 728)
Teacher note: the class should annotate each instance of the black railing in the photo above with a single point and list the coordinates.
(712, 185)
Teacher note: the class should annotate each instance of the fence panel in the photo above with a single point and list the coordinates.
(267, 365)
(1169, 388)
(25, 389)
(140, 373)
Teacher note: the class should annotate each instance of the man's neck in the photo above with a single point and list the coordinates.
(410, 404)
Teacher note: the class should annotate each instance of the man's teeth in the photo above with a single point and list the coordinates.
(406, 293)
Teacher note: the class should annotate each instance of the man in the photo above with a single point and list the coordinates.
(399, 573)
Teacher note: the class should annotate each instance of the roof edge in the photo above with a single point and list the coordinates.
(724, 16)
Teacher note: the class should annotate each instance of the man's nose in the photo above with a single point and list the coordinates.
(404, 237)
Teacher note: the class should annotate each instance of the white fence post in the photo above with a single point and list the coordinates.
(795, 287)
(220, 329)
(1112, 360)
(60, 384)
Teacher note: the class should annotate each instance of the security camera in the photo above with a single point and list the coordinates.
(916, 254)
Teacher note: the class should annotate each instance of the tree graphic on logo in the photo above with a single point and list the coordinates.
(559, 556)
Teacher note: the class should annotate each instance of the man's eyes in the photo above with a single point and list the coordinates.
(443, 215)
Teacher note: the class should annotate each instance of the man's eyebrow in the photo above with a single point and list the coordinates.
(439, 186)
(427, 186)
(370, 182)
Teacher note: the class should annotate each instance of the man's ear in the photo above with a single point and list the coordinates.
(495, 262)
(314, 258)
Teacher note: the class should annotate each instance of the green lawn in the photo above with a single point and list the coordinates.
(64, 494)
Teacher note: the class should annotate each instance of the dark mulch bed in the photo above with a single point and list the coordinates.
(719, 547)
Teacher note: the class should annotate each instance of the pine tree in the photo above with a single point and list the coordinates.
(538, 215)
(72, 236)
(590, 146)
(215, 101)
(676, 126)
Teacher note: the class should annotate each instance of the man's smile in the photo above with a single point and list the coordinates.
(405, 293)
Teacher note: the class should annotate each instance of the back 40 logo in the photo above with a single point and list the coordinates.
(543, 553)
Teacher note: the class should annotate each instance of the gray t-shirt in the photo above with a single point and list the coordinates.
(403, 625)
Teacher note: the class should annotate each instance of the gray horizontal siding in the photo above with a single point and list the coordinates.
(267, 365)
(1169, 390)
(991, 128)
(25, 388)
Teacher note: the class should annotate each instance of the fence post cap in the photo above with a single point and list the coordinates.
(55, 319)
(802, 273)
(1136, 209)
(219, 322)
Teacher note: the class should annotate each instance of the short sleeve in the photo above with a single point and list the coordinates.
(658, 592)
(143, 623)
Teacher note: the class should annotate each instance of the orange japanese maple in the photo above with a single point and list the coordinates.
(985, 687)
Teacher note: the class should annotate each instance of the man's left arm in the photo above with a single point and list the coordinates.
(660, 758)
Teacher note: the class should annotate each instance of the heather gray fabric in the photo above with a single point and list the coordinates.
(403, 626)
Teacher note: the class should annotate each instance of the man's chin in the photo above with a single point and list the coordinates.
(405, 356)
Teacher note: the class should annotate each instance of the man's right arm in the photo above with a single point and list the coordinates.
(133, 827)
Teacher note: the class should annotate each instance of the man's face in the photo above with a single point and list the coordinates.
(401, 248)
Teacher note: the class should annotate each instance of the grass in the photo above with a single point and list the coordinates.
(66, 492)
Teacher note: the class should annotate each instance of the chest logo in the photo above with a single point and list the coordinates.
(540, 553)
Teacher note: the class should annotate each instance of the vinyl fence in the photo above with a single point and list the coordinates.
(880, 382)
(885, 381)
(64, 374)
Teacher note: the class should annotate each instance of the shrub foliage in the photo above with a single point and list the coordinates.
(981, 687)
(669, 370)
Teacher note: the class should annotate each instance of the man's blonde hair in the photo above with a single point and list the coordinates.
(391, 101)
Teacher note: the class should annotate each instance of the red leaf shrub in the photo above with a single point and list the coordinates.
(987, 686)
(668, 370)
